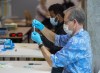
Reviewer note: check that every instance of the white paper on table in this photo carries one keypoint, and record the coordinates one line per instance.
(5, 65)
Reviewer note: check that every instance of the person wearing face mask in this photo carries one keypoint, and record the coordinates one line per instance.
(57, 18)
(76, 54)
(57, 21)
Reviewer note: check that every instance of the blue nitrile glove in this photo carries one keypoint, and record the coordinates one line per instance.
(37, 24)
(36, 37)
(8, 45)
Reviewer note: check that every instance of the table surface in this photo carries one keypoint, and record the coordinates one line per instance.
(24, 67)
(23, 50)
(23, 30)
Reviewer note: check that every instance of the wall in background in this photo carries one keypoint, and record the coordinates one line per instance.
(18, 7)
(93, 26)
(50, 2)
(5, 8)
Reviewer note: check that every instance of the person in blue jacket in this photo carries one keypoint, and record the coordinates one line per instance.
(76, 54)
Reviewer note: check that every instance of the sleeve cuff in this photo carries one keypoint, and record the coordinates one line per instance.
(52, 58)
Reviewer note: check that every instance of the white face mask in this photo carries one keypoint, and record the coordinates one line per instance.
(53, 22)
(66, 29)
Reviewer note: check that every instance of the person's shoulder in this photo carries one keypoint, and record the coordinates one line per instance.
(82, 37)
(81, 34)
(74, 39)
(85, 34)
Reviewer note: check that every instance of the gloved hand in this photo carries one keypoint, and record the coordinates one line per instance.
(36, 37)
(37, 24)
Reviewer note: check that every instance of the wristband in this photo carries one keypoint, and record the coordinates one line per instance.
(41, 45)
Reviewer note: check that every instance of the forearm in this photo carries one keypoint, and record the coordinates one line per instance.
(46, 54)
(48, 34)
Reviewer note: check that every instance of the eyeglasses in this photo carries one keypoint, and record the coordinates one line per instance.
(66, 22)
(16, 34)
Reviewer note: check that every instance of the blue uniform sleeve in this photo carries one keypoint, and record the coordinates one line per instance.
(61, 40)
(73, 51)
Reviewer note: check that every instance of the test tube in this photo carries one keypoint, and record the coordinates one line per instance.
(34, 28)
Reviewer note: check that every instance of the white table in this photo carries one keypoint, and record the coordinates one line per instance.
(23, 50)
(24, 67)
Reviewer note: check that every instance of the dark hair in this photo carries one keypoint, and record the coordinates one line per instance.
(67, 4)
(57, 9)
